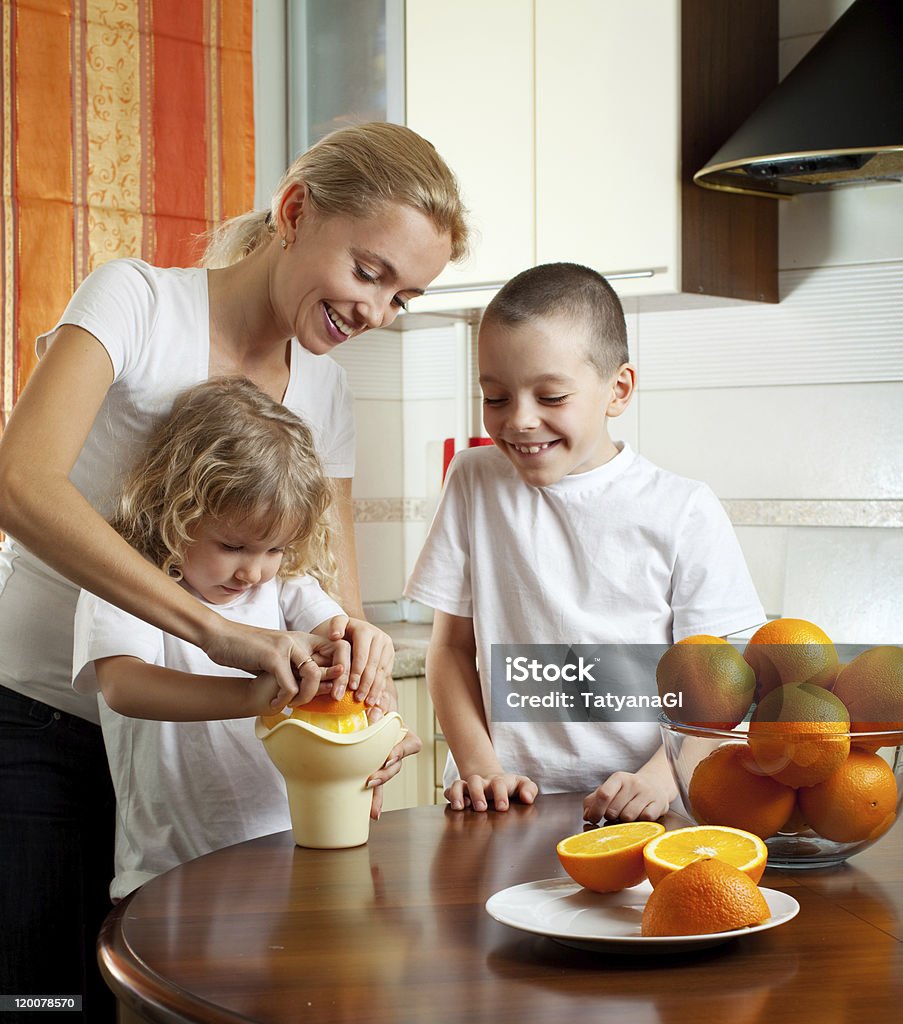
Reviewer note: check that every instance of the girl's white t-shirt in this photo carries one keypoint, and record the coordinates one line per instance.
(154, 324)
(184, 789)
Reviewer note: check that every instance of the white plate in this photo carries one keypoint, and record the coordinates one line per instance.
(562, 910)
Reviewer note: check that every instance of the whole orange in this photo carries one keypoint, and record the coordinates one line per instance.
(790, 651)
(857, 802)
(799, 734)
(706, 896)
(728, 788)
(713, 682)
(871, 688)
(608, 859)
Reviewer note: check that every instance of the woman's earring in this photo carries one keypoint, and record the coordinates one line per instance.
(284, 244)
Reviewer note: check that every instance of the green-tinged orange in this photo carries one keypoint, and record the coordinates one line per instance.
(871, 688)
(714, 684)
(799, 734)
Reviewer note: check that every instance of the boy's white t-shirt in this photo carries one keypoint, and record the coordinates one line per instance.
(626, 553)
(155, 326)
(184, 789)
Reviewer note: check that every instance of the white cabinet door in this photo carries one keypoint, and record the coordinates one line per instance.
(469, 90)
(415, 784)
(607, 137)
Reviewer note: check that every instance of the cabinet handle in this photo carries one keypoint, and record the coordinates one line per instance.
(442, 289)
(483, 286)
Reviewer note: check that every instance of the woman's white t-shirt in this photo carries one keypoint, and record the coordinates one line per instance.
(154, 324)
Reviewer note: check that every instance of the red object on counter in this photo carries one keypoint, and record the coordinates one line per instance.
(448, 450)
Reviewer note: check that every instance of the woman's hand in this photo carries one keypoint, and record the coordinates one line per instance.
(410, 743)
(302, 664)
(372, 656)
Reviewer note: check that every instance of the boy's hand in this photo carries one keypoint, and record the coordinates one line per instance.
(627, 796)
(372, 656)
(478, 791)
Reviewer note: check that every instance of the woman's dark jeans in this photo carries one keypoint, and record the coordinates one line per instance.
(57, 819)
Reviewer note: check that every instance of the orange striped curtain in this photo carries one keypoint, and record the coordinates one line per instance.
(127, 130)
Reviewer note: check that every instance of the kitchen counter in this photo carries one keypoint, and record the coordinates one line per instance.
(396, 931)
(411, 640)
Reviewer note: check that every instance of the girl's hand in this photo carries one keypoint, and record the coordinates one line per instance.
(324, 670)
(627, 796)
(372, 656)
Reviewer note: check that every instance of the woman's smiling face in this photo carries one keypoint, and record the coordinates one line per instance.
(340, 275)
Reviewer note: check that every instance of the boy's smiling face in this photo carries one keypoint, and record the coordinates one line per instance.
(544, 404)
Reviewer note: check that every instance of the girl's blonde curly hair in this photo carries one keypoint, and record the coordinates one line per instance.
(228, 451)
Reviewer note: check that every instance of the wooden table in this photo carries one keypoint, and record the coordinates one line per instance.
(396, 931)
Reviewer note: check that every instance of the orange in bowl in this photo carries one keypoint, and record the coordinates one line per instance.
(871, 687)
(799, 734)
(715, 684)
(858, 802)
(727, 788)
(610, 858)
(790, 651)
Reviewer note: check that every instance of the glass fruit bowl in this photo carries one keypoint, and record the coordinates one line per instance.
(737, 778)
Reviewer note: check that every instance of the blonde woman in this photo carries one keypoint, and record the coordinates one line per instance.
(360, 224)
(229, 498)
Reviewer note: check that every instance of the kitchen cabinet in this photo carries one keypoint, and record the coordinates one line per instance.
(575, 127)
(469, 90)
(415, 785)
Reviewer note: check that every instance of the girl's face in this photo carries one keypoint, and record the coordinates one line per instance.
(340, 276)
(223, 560)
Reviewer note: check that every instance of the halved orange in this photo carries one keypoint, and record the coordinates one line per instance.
(340, 716)
(676, 849)
(608, 859)
(706, 896)
(345, 715)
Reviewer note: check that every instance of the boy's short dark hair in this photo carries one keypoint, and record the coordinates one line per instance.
(572, 290)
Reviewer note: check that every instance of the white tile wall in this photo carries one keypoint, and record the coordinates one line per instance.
(848, 581)
(833, 441)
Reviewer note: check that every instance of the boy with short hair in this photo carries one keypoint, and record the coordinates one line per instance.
(558, 535)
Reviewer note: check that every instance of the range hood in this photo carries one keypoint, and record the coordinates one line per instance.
(835, 121)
